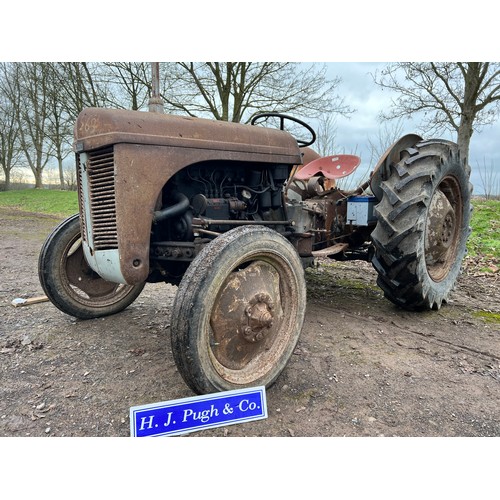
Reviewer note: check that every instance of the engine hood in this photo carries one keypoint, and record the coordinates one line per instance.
(98, 127)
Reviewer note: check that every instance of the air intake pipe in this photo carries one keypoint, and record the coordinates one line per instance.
(180, 207)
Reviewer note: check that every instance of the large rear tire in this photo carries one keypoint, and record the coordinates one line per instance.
(69, 282)
(239, 311)
(422, 225)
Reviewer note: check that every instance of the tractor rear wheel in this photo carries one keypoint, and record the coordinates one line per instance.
(69, 282)
(422, 225)
(239, 311)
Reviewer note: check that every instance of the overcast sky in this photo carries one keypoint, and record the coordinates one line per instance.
(359, 31)
(369, 100)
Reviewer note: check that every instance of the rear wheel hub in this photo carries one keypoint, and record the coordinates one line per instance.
(443, 229)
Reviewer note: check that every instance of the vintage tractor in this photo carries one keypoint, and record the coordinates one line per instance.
(232, 214)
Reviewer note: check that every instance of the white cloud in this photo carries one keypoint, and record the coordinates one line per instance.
(360, 92)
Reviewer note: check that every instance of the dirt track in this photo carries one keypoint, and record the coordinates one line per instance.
(362, 366)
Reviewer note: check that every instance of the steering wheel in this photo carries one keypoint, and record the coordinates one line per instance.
(282, 117)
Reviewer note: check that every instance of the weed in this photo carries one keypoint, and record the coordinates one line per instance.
(488, 316)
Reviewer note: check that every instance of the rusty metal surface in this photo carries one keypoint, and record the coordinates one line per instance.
(82, 278)
(442, 233)
(303, 243)
(334, 249)
(96, 128)
(247, 315)
(330, 209)
(198, 221)
(308, 155)
(141, 173)
(322, 213)
(149, 149)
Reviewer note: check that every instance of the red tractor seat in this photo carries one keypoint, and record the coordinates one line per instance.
(332, 167)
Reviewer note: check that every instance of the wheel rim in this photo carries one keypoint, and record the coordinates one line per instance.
(252, 319)
(83, 284)
(442, 235)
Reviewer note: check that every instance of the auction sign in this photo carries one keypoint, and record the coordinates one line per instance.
(181, 416)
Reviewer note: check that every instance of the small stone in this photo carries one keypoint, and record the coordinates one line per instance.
(47, 430)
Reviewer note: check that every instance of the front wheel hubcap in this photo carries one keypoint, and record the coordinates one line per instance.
(247, 315)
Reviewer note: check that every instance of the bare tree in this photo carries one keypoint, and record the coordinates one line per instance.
(457, 96)
(70, 180)
(60, 122)
(387, 134)
(20, 89)
(129, 84)
(9, 139)
(30, 83)
(325, 135)
(81, 85)
(47, 97)
(236, 91)
(489, 180)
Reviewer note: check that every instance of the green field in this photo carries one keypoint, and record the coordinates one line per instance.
(484, 240)
(485, 237)
(45, 201)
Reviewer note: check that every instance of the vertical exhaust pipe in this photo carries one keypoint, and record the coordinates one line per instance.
(155, 101)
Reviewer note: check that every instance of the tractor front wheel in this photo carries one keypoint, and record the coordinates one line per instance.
(69, 282)
(239, 310)
(422, 225)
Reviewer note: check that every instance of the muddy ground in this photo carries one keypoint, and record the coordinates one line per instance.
(362, 366)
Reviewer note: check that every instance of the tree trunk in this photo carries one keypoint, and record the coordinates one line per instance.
(7, 179)
(38, 179)
(464, 136)
(468, 107)
(61, 172)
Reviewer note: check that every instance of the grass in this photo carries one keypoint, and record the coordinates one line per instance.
(485, 237)
(44, 201)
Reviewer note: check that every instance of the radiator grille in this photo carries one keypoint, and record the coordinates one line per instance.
(79, 171)
(101, 187)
